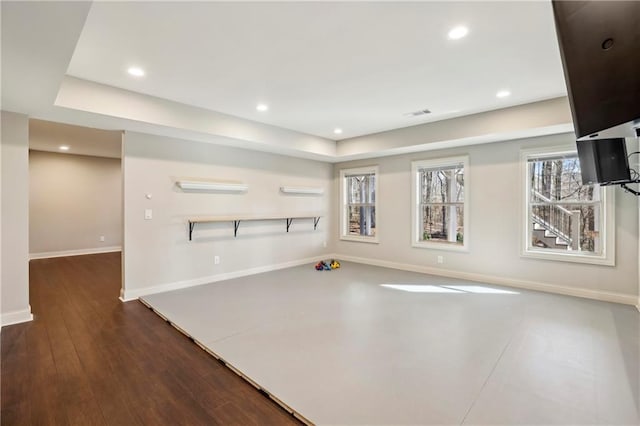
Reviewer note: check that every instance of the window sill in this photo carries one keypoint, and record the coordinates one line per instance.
(446, 246)
(370, 240)
(574, 257)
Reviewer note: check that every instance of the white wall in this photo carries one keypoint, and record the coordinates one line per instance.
(73, 199)
(157, 253)
(15, 219)
(494, 228)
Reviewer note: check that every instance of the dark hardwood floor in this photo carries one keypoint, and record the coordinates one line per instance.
(88, 358)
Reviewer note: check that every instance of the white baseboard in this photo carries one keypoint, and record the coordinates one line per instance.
(606, 296)
(80, 252)
(16, 317)
(133, 294)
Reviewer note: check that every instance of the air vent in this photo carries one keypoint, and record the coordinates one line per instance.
(417, 113)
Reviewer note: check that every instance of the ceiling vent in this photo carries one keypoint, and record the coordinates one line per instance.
(417, 113)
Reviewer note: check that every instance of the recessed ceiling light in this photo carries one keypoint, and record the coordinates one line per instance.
(63, 148)
(136, 71)
(457, 33)
(262, 107)
(337, 131)
(503, 94)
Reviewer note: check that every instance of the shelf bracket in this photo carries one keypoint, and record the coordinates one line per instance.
(315, 222)
(236, 224)
(289, 221)
(629, 190)
(191, 226)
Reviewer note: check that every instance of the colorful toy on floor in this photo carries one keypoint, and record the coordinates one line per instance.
(321, 266)
(328, 265)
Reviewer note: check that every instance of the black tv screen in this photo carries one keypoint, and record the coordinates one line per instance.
(603, 161)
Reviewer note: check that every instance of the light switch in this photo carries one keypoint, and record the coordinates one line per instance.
(148, 214)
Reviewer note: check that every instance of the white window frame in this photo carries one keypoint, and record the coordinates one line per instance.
(416, 229)
(344, 222)
(607, 194)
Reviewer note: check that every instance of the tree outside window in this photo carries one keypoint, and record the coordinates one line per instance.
(439, 202)
(565, 220)
(359, 188)
(565, 215)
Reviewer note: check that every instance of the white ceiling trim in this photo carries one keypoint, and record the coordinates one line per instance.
(98, 98)
(454, 143)
(529, 120)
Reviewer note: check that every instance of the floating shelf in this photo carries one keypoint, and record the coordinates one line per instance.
(237, 219)
(199, 185)
(302, 190)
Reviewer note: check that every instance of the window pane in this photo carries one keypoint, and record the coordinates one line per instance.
(361, 221)
(361, 189)
(567, 227)
(556, 225)
(442, 223)
(441, 210)
(559, 179)
(442, 185)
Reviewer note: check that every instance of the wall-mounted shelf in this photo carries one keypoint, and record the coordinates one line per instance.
(207, 186)
(302, 190)
(237, 219)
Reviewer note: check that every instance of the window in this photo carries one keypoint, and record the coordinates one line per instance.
(440, 203)
(358, 195)
(565, 220)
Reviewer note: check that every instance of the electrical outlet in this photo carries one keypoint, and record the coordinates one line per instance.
(216, 260)
(102, 238)
(440, 259)
(148, 214)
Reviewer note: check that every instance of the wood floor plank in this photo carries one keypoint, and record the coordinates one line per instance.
(16, 414)
(89, 359)
(85, 413)
(14, 343)
(14, 395)
(45, 402)
(38, 344)
(227, 413)
(106, 386)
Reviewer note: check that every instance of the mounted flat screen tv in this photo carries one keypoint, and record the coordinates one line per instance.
(603, 161)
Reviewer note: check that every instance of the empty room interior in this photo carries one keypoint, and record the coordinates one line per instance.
(345, 213)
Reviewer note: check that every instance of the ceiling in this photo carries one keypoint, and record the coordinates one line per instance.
(358, 66)
(50, 136)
